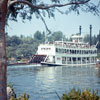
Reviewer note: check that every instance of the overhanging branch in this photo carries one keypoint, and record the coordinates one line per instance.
(44, 23)
(47, 6)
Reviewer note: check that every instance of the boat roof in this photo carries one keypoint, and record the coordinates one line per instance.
(76, 36)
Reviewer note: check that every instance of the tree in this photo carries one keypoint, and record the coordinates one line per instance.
(12, 8)
(87, 38)
(38, 36)
(94, 40)
(56, 36)
(15, 40)
(98, 40)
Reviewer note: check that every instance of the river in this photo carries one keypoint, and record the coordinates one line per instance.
(44, 83)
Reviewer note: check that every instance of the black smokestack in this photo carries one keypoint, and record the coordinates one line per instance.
(80, 28)
(90, 35)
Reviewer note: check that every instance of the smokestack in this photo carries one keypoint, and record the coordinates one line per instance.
(80, 29)
(90, 35)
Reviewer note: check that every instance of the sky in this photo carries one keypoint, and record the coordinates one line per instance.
(68, 24)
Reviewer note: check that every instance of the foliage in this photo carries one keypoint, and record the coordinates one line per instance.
(87, 38)
(40, 8)
(15, 9)
(72, 95)
(39, 37)
(25, 47)
(24, 96)
(81, 95)
(95, 40)
(56, 36)
(98, 56)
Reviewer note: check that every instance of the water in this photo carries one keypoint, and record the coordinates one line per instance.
(42, 83)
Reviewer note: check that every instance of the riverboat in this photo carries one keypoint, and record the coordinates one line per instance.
(62, 53)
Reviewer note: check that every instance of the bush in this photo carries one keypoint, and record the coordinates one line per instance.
(24, 96)
(81, 95)
(11, 95)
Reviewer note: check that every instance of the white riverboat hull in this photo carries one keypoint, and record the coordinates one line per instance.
(53, 64)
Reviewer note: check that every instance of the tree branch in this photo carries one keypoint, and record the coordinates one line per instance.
(45, 23)
(47, 6)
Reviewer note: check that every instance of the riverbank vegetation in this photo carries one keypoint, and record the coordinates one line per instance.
(81, 95)
(24, 96)
(73, 94)
(21, 47)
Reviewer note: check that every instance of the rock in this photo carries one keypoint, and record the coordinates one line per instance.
(10, 92)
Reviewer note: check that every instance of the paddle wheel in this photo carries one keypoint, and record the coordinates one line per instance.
(37, 59)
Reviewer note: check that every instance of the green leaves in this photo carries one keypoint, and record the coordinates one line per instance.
(28, 7)
(56, 36)
(81, 95)
(24, 96)
(26, 46)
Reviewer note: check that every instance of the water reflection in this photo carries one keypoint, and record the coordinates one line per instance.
(42, 82)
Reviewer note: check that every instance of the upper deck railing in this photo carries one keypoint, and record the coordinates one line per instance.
(63, 44)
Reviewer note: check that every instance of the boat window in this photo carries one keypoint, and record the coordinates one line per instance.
(79, 51)
(42, 48)
(82, 52)
(58, 58)
(72, 51)
(75, 51)
(61, 50)
(63, 60)
(95, 51)
(57, 50)
(65, 51)
(86, 52)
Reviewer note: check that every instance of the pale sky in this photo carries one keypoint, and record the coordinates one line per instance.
(68, 24)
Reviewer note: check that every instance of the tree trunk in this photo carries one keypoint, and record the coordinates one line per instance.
(3, 64)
